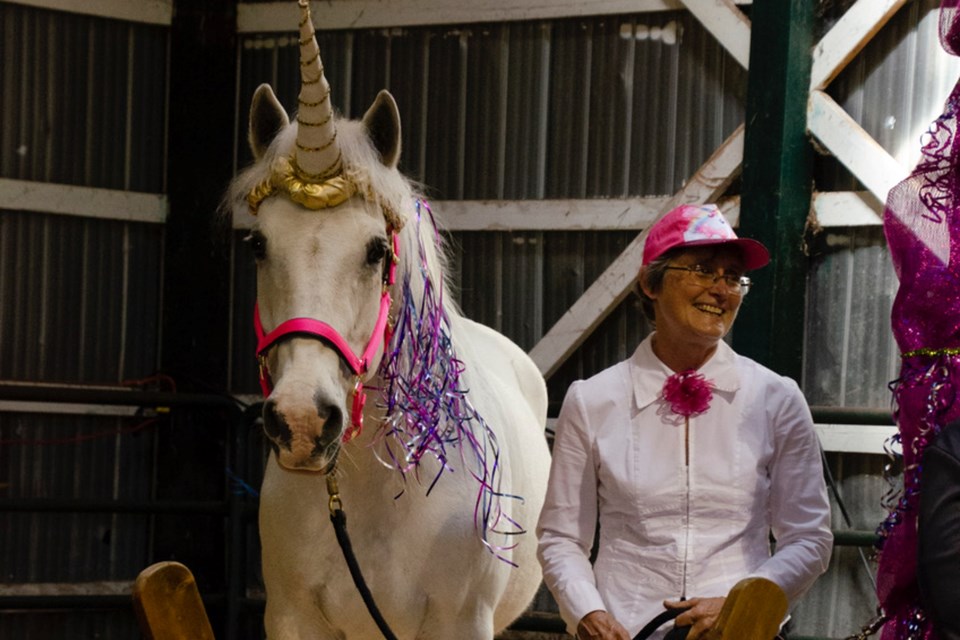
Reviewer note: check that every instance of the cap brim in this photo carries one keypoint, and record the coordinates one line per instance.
(755, 255)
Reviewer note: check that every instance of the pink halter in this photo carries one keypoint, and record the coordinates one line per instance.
(323, 331)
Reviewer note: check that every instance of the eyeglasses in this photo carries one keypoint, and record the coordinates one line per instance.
(706, 278)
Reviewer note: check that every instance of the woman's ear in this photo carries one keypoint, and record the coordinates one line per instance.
(643, 284)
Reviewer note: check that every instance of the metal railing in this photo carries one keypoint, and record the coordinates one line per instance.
(235, 509)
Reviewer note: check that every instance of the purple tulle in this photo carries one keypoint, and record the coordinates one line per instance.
(922, 226)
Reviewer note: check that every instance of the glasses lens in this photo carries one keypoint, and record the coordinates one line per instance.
(703, 277)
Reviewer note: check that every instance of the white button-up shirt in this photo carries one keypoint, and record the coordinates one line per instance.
(669, 529)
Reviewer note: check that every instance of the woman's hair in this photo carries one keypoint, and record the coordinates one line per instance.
(653, 274)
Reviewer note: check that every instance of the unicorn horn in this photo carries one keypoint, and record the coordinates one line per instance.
(318, 153)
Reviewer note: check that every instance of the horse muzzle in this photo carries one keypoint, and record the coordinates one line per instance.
(305, 437)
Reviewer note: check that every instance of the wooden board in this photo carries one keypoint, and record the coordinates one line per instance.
(753, 610)
(168, 604)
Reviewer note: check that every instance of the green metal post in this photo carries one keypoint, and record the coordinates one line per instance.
(777, 181)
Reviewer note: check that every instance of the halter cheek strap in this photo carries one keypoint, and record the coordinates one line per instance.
(311, 327)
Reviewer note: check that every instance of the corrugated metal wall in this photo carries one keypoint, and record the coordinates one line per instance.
(82, 102)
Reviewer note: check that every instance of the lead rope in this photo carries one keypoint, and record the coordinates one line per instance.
(661, 619)
(339, 520)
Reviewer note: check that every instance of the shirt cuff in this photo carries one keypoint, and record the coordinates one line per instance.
(579, 599)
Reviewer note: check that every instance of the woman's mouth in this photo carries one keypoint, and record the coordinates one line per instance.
(709, 308)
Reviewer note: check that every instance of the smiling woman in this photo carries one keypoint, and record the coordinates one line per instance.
(690, 455)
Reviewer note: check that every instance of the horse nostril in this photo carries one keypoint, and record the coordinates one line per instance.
(273, 423)
(332, 426)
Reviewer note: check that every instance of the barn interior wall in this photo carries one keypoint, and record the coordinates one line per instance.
(568, 108)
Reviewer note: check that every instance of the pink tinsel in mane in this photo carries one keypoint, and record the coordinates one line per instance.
(688, 393)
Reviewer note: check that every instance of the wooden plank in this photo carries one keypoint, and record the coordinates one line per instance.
(590, 214)
(549, 215)
(67, 408)
(840, 438)
(845, 138)
(573, 327)
(854, 438)
(143, 11)
(727, 24)
(832, 209)
(847, 37)
(24, 195)
(168, 605)
(92, 588)
(847, 209)
(274, 17)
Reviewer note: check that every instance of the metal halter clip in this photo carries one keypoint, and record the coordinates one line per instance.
(870, 628)
(334, 503)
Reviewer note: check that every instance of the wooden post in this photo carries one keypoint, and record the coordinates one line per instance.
(200, 164)
(777, 182)
(192, 447)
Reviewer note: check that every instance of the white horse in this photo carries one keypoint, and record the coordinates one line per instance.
(443, 485)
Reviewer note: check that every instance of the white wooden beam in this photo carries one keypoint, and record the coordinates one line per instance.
(845, 138)
(727, 24)
(44, 197)
(847, 37)
(68, 408)
(832, 209)
(549, 215)
(847, 209)
(145, 11)
(590, 214)
(845, 438)
(573, 327)
(276, 17)
(594, 214)
(99, 588)
(854, 438)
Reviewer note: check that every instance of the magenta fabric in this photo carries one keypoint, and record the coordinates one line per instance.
(922, 226)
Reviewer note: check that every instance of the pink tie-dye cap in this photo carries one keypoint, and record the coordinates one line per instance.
(695, 225)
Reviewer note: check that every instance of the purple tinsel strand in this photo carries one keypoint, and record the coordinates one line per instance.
(936, 378)
(427, 408)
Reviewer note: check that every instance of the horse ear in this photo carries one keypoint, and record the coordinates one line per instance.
(382, 121)
(267, 118)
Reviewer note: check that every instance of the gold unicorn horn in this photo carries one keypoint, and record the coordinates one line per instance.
(318, 153)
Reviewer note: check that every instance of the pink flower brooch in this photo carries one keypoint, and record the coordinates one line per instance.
(688, 393)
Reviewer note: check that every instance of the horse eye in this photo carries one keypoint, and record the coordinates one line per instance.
(376, 250)
(258, 244)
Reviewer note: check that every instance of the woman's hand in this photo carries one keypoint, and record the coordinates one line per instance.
(600, 625)
(700, 615)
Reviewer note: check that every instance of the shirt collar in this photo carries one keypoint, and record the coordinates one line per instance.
(648, 373)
